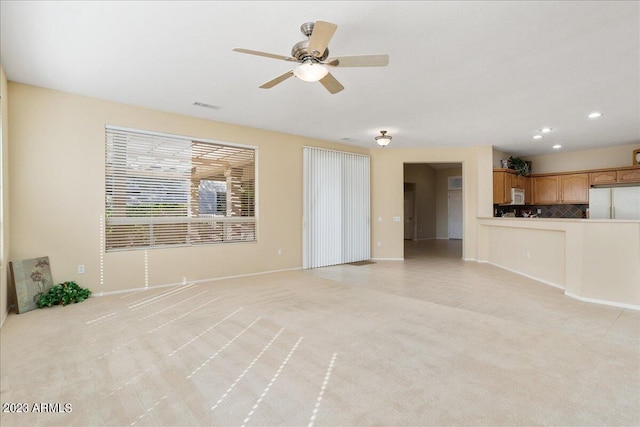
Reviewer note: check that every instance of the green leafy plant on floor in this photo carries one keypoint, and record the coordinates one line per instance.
(63, 293)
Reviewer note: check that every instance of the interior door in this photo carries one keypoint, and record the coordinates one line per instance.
(409, 215)
(455, 214)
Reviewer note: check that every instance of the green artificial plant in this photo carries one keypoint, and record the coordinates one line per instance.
(520, 166)
(63, 293)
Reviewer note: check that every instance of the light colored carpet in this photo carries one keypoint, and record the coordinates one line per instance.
(432, 340)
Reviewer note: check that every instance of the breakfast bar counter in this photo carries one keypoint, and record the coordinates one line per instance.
(590, 259)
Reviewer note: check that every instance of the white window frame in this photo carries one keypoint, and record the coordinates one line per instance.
(228, 221)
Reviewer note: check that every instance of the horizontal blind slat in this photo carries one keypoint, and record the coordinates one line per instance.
(174, 191)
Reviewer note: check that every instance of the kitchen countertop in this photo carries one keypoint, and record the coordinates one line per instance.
(572, 220)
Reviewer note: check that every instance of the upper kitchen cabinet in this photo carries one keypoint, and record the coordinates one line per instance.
(559, 189)
(603, 177)
(545, 190)
(629, 175)
(625, 175)
(503, 181)
(574, 188)
(501, 187)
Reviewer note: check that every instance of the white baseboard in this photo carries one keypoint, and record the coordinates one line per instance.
(4, 317)
(192, 282)
(537, 279)
(603, 302)
(569, 294)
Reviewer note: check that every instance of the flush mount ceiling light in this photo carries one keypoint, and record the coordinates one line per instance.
(310, 71)
(384, 139)
(537, 136)
(557, 146)
(546, 130)
(594, 115)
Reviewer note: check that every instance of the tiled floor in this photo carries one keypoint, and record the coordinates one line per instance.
(433, 271)
(431, 340)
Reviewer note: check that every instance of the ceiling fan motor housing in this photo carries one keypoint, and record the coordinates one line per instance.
(300, 50)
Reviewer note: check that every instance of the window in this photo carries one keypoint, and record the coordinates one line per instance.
(455, 183)
(166, 190)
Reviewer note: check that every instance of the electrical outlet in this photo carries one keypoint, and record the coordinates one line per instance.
(379, 242)
(80, 269)
(280, 251)
(396, 219)
(539, 211)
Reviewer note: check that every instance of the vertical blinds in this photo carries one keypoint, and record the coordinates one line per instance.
(164, 190)
(336, 204)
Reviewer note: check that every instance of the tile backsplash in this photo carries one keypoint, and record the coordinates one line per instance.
(546, 211)
(560, 211)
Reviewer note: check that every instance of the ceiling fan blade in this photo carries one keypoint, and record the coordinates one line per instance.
(265, 54)
(279, 79)
(331, 84)
(359, 61)
(320, 37)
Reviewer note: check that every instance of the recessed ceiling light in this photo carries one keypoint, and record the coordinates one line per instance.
(594, 115)
(557, 146)
(546, 130)
(537, 136)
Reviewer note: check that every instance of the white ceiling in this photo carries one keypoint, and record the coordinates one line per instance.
(460, 73)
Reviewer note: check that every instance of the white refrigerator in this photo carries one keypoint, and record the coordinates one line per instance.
(614, 203)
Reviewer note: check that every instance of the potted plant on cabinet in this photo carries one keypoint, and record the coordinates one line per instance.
(521, 167)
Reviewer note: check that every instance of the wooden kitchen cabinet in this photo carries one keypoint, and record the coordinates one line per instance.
(501, 187)
(506, 179)
(558, 189)
(518, 181)
(545, 190)
(603, 177)
(528, 192)
(574, 188)
(628, 175)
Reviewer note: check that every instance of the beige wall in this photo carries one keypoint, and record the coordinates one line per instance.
(387, 182)
(57, 193)
(609, 157)
(4, 249)
(423, 176)
(442, 200)
(56, 203)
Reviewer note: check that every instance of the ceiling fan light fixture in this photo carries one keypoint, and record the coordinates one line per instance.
(383, 139)
(310, 71)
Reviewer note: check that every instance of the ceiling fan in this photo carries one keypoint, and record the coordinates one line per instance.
(312, 55)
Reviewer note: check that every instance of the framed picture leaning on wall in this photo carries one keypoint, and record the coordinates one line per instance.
(31, 278)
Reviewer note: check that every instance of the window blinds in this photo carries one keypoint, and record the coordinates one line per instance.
(336, 205)
(167, 190)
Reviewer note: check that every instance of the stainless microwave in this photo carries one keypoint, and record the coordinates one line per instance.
(517, 196)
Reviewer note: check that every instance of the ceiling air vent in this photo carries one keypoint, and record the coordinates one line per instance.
(203, 105)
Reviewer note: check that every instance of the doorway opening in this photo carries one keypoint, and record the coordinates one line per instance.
(433, 206)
